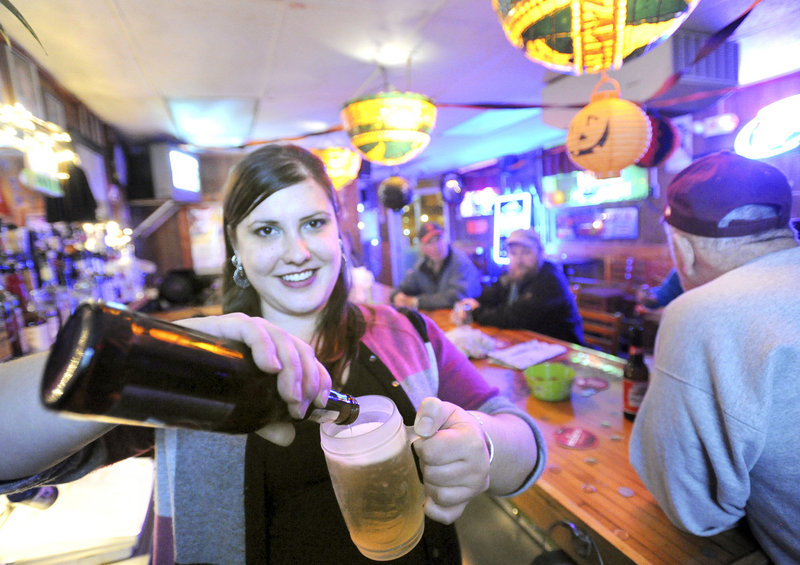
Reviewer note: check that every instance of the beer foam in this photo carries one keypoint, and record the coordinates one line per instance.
(362, 449)
(358, 429)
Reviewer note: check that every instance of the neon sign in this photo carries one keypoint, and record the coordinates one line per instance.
(774, 130)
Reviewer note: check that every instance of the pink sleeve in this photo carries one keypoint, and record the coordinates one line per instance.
(459, 380)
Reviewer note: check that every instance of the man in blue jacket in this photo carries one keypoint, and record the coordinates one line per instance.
(441, 277)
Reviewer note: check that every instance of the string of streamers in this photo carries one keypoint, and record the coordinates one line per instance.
(708, 47)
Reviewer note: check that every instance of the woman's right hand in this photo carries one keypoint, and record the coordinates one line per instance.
(302, 380)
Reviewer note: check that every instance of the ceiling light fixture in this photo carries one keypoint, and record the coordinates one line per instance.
(213, 122)
(389, 128)
(341, 164)
(583, 36)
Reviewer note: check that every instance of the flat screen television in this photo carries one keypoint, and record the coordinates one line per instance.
(176, 173)
(619, 222)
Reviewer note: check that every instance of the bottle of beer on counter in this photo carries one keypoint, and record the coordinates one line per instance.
(635, 374)
(112, 364)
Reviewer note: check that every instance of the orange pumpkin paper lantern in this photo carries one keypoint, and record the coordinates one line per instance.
(608, 134)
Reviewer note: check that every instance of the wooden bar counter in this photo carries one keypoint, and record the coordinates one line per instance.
(595, 488)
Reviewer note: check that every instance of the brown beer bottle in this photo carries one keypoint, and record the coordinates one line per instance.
(635, 375)
(116, 365)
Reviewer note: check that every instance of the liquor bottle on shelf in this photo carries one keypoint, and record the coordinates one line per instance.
(11, 308)
(6, 346)
(53, 295)
(635, 374)
(116, 365)
(43, 302)
(37, 327)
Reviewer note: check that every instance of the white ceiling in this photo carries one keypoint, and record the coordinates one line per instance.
(284, 68)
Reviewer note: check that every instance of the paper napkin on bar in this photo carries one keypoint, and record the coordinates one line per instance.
(523, 355)
(472, 342)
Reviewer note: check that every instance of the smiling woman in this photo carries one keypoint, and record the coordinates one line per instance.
(289, 250)
(286, 264)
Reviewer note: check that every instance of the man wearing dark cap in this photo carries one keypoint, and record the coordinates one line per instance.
(533, 294)
(441, 277)
(715, 439)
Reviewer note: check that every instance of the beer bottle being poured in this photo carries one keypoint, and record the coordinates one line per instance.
(116, 365)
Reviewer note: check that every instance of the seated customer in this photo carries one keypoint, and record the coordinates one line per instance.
(656, 297)
(534, 294)
(713, 440)
(441, 277)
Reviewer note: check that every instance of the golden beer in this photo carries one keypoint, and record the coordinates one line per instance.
(375, 480)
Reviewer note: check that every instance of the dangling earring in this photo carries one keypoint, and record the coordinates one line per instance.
(239, 276)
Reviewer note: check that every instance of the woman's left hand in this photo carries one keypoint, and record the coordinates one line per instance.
(453, 457)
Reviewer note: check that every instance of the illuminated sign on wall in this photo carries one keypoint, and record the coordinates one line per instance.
(580, 188)
(511, 212)
(478, 202)
(774, 130)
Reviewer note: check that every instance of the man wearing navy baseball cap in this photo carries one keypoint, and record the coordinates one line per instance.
(711, 440)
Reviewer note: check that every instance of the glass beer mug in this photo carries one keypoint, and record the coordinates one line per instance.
(375, 479)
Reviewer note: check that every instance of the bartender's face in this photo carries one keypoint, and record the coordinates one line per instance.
(289, 247)
(521, 260)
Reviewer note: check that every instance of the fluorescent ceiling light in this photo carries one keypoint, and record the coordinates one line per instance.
(213, 122)
(492, 120)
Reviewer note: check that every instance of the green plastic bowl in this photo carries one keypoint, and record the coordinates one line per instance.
(550, 381)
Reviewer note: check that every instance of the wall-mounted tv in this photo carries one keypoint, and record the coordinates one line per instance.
(597, 223)
(580, 188)
(176, 173)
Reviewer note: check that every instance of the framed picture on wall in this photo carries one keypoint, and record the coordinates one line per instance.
(54, 110)
(5, 91)
(25, 83)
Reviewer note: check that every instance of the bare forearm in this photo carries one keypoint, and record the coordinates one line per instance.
(33, 438)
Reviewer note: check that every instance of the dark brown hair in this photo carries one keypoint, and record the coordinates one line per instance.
(256, 177)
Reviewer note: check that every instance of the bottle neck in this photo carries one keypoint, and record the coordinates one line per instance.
(341, 409)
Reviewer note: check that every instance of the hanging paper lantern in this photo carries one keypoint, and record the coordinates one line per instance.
(608, 134)
(341, 164)
(390, 128)
(395, 192)
(664, 139)
(588, 36)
